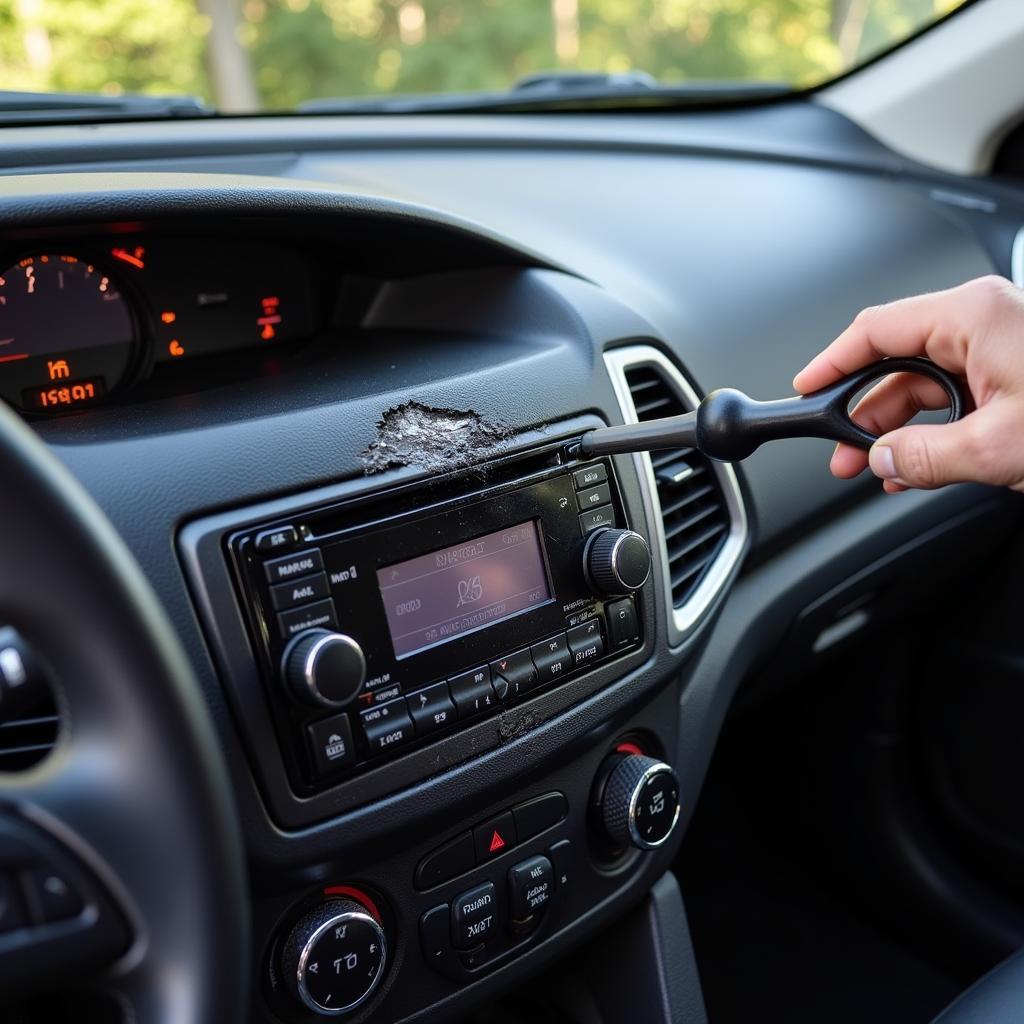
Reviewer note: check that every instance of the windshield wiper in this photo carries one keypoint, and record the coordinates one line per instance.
(38, 107)
(558, 90)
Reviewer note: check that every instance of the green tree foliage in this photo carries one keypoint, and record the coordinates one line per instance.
(300, 49)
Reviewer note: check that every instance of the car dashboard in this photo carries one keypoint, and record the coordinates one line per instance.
(327, 377)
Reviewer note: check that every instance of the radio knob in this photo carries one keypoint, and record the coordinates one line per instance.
(324, 669)
(640, 802)
(334, 957)
(616, 561)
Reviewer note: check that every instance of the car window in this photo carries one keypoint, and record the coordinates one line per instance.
(247, 55)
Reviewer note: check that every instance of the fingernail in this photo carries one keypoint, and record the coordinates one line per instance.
(882, 462)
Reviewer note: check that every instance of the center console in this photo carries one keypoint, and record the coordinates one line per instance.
(380, 638)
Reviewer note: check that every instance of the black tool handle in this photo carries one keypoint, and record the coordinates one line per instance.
(730, 426)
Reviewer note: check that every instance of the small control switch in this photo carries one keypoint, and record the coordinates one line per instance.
(474, 916)
(531, 884)
(50, 896)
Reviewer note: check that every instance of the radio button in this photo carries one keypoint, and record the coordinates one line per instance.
(304, 563)
(387, 726)
(622, 624)
(552, 658)
(586, 642)
(596, 518)
(514, 674)
(472, 691)
(590, 475)
(277, 540)
(312, 588)
(593, 497)
(310, 616)
(431, 708)
(331, 742)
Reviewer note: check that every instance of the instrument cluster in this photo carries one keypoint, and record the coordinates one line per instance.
(83, 324)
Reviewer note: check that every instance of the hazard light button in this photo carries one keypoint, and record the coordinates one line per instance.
(494, 837)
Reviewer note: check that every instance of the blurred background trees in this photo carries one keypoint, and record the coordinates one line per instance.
(249, 54)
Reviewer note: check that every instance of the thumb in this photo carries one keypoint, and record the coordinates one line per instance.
(928, 455)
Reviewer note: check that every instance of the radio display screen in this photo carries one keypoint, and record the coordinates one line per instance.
(446, 594)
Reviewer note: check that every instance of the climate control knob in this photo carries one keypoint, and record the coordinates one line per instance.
(324, 669)
(616, 561)
(334, 957)
(640, 802)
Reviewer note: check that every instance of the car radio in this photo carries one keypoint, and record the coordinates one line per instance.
(382, 625)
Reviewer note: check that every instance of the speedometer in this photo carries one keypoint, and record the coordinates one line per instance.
(67, 335)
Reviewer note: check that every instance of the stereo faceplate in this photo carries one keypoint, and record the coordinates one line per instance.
(507, 626)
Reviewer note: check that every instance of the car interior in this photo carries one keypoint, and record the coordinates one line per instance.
(280, 383)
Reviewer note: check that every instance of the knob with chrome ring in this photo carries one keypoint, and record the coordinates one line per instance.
(616, 562)
(334, 957)
(324, 669)
(640, 802)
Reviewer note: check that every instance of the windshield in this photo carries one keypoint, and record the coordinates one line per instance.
(251, 55)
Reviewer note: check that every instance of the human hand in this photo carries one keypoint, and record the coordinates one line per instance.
(975, 330)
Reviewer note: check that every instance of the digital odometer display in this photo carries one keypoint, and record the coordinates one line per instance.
(67, 335)
(446, 594)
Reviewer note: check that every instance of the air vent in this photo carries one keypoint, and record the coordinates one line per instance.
(693, 509)
(27, 738)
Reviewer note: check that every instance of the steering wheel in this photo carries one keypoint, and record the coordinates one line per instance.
(132, 808)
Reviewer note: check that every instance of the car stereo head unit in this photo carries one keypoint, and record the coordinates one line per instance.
(383, 624)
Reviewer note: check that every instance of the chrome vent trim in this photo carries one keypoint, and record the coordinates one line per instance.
(684, 617)
(1017, 259)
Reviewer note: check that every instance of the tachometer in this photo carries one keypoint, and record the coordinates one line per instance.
(67, 335)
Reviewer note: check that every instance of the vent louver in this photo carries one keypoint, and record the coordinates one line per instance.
(693, 508)
(27, 738)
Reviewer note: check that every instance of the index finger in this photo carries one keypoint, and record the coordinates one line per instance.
(932, 325)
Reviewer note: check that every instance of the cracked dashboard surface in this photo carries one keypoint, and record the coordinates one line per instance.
(454, 301)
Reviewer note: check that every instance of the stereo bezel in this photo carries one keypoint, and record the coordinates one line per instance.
(391, 526)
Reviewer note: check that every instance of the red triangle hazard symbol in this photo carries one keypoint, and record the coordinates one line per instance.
(497, 843)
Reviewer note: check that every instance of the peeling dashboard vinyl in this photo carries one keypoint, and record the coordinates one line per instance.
(414, 434)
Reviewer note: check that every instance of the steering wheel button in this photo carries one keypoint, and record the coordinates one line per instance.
(50, 896)
(474, 916)
(331, 743)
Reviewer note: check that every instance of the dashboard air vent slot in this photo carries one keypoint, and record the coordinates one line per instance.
(693, 508)
(28, 737)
